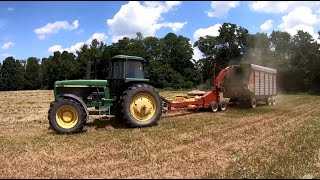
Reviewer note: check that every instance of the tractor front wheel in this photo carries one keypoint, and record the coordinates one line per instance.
(66, 116)
(141, 105)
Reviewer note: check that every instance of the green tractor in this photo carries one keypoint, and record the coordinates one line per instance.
(125, 94)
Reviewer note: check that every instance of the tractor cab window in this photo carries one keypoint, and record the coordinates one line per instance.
(117, 70)
(134, 69)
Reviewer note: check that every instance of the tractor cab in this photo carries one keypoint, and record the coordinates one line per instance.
(125, 71)
(126, 67)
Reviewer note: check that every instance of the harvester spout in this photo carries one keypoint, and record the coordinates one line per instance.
(220, 76)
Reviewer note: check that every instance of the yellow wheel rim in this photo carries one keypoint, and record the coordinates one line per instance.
(67, 117)
(143, 107)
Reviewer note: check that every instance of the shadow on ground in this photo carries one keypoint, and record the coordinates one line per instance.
(105, 122)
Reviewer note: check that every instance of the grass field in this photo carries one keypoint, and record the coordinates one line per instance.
(281, 141)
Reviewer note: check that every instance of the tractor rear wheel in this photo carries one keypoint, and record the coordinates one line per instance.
(66, 116)
(141, 106)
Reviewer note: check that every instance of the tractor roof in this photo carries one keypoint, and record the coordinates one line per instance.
(128, 57)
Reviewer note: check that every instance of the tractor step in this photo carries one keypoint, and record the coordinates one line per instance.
(100, 111)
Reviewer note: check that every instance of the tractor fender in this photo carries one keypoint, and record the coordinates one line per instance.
(79, 100)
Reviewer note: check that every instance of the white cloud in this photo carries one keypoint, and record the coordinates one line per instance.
(145, 18)
(54, 28)
(280, 6)
(202, 32)
(10, 9)
(221, 8)
(55, 48)
(99, 36)
(7, 45)
(300, 15)
(301, 18)
(211, 31)
(173, 3)
(197, 54)
(75, 47)
(174, 26)
(7, 55)
(267, 25)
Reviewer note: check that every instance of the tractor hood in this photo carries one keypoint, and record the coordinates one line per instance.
(81, 83)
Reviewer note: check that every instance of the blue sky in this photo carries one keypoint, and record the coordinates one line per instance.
(36, 29)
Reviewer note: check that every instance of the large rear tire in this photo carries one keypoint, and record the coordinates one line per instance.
(66, 116)
(141, 106)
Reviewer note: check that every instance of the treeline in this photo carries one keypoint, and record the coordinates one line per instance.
(169, 62)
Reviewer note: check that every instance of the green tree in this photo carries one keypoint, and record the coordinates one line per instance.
(127, 46)
(224, 50)
(257, 50)
(177, 52)
(83, 58)
(12, 74)
(304, 62)
(59, 67)
(163, 76)
(97, 57)
(33, 74)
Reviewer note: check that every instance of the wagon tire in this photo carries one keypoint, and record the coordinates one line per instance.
(214, 106)
(269, 101)
(252, 103)
(273, 101)
(222, 106)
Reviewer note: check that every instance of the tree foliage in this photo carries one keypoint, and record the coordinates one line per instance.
(12, 73)
(33, 74)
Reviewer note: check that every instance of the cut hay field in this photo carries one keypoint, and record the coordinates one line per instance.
(281, 141)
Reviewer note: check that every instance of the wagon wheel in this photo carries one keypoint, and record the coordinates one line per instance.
(214, 106)
(269, 101)
(273, 101)
(252, 103)
(222, 106)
